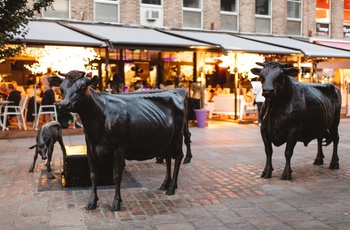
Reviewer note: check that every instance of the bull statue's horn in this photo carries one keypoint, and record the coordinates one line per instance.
(260, 63)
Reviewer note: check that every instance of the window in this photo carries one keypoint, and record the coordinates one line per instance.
(228, 15)
(60, 10)
(322, 18)
(152, 2)
(263, 16)
(347, 12)
(294, 17)
(192, 14)
(107, 10)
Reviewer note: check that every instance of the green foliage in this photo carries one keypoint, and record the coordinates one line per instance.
(14, 16)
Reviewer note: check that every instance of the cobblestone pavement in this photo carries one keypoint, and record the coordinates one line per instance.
(220, 189)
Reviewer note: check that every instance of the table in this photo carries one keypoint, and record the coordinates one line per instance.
(3, 103)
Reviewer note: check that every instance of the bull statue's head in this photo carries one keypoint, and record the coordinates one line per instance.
(41, 149)
(74, 89)
(273, 76)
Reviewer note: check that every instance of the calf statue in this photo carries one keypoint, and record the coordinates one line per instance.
(295, 111)
(47, 136)
(126, 127)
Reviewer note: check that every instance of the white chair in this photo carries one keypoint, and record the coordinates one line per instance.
(18, 110)
(45, 110)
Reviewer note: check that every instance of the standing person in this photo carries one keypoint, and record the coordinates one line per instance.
(48, 99)
(117, 82)
(45, 85)
(259, 98)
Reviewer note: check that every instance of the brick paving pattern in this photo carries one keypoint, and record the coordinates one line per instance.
(220, 189)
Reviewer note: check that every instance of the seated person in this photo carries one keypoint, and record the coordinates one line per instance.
(3, 91)
(14, 95)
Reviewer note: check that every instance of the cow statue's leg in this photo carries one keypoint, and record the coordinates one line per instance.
(188, 145)
(173, 184)
(320, 155)
(49, 155)
(287, 172)
(92, 203)
(267, 172)
(335, 159)
(60, 141)
(33, 165)
(118, 167)
(167, 179)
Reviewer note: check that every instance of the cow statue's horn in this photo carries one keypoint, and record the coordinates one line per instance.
(260, 63)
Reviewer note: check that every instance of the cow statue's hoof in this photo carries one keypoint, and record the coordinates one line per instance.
(266, 175)
(170, 192)
(334, 165)
(50, 176)
(187, 160)
(115, 206)
(318, 161)
(92, 203)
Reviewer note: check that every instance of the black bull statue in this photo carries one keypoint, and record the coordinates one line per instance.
(126, 127)
(295, 111)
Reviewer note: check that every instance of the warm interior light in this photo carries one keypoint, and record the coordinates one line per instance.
(60, 58)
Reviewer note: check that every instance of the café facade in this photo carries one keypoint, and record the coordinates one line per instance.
(156, 55)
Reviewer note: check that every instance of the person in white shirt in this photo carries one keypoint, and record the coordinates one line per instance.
(259, 98)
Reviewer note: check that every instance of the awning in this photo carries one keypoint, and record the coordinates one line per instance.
(232, 43)
(52, 33)
(336, 64)
(138, 38)
(310, 50)
(337, 44)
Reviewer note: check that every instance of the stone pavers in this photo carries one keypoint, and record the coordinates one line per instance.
(220, 189)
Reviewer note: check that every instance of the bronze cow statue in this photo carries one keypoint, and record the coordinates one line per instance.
(295, 111)
(46, 138)
(126, 127)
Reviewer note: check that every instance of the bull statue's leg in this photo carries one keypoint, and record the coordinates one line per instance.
(320, 155)
(335, 159)
(33, 165)
(118, 168)
(167, 179)
(267, 172)
(92, 203)
(188, 145)
(287, 172)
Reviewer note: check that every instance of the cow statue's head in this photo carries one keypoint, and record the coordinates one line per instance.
(41, 149)
(74, 89)
(273, 77)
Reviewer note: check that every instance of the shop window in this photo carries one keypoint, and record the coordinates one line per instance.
(192, 14)
(263, 16)
(229, 15)
(60, 10)
(294, 17)
(152, 2)
(107, 10)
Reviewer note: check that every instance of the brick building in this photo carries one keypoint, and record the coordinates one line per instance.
(307, 18)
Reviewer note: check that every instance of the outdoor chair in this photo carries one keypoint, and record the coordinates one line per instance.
(45, 110)
(18, 111)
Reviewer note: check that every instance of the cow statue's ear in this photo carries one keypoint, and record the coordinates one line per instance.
(256, 71)
(94, 80)
(291, 71)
